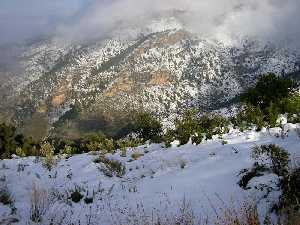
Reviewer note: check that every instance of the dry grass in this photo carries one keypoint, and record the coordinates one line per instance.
(39, 203)
(240, 213)
(136, 155)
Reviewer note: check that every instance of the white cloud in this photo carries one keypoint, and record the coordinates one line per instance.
(272, 20)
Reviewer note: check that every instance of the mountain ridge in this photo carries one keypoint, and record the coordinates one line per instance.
(163, 71)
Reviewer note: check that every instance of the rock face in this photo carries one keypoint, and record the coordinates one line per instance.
(98, 85)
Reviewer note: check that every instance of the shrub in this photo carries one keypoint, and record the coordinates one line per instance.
(47, 151)
(290, 186)
(147, 127)
(291, 104)
(26, 144)
(97, 142)
(213, 124)
(10, 141)
(188, 128)
(20, 152)
(196, 128)
(270, 89)
(245, 214)
(128, 142)
(39, 203)
(7, 141)
(169, 137)
(67, 150)
(294, 118)
(272, 114)
(278, 157)
(112, 167)
(76, 196)
(248, 175)
(5, 195)
(136, 155)
(248, 116)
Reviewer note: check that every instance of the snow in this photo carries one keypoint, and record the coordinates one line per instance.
(202, 174)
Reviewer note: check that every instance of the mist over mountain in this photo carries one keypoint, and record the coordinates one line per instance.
(272, 20)
(268, 20)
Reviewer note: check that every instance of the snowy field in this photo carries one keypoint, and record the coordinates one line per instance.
(158, 183)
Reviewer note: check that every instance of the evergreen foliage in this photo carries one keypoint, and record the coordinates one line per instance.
(278, 157)
(147, 127)
(270, 89)
(97, 142)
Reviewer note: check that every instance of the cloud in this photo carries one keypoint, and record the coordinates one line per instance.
(81, 20)
(271, 20)
(24, 19)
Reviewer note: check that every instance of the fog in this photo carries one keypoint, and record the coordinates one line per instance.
(83, 20)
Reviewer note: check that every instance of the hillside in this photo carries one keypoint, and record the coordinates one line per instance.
(159, 183)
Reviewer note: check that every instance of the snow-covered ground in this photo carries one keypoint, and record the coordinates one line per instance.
(205, 176)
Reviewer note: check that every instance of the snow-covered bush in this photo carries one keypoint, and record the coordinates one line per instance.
(248, 174)
(277, 157)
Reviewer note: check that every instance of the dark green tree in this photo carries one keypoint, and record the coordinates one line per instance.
(269, 89)
(8, 143)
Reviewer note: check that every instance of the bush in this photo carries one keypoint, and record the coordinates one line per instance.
(128, 142)
(271, 96)
(97, 142)
(249, 174)
(213, 124)
(8, 143)
(291, 104)
(76, 196)
(278, 157)
(47, 151)
(270, 89)
(290, 186)
(169, 137)
(272, 114)
(248, 116)
(188, 128)
(112, 167)
(196, 128)
(5, 195)
(147, 127)
(39, 203)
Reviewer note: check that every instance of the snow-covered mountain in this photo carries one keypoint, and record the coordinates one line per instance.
(160, 67)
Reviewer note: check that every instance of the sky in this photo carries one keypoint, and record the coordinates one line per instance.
(272, 20)
(24, 19)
